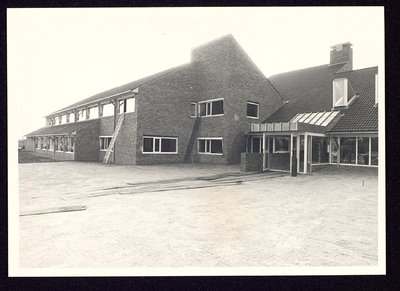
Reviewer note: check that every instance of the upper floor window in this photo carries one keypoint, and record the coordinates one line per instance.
(193, 109)
(212, 107)
(252, 109)
(93, 112)
(63, 119)
(340, 92)
(127, 105)
(108, 109)
(81, 115)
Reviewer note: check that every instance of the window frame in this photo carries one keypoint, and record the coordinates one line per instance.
(124, 105)
(196, 113)
(258, 109)
(159, 145)
(208, 107)
(105, 137)
(207, 149)
(274, 145)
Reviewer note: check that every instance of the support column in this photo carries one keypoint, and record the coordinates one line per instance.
(305, 153)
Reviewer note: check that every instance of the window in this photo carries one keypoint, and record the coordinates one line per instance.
(210, 146)
(340, 92)
(108, 109)
(193, 109)
(363, 151)
(63, 119)
(348, 150)
(104, 142)
(256, 144)
(374, 151)
(162, 145)
(81, 115)
(215, 107)
(252, 109)
(60, 144)
(281, 144)
(320, 152)
(93, 112)
(70, 144)
(127, 105)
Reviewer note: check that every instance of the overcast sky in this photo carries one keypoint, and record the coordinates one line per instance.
(60, 56)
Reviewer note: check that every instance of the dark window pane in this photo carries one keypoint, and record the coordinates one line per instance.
(348, 150)
(193, 109)
(202, 146)
(168, 145)
(216, 146)
(257, 145)
(252, 110)
(281, 144)
(374, 151)
(218, 107)
(363, 151)
(157, 145)
(202, 109)
(147, 144)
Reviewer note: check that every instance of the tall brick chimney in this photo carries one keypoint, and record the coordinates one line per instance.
(342, 53)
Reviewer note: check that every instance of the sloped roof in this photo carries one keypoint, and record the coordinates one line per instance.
(121, 89)
(62, 129)
(310, 90)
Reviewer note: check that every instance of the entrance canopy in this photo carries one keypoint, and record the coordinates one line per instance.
(318, 122)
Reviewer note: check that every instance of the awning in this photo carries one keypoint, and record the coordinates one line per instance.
(317, 122)
(63, 129)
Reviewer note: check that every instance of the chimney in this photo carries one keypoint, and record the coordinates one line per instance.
(342, 53)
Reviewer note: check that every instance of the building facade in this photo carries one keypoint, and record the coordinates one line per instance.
(220, 108)
(197, 112)
(330, 116)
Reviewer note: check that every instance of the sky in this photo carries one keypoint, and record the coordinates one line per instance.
(58, 56)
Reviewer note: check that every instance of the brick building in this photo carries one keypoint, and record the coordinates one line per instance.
(196, 112)
(220, 108)
(330, 116)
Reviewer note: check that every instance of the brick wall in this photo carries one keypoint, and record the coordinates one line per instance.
(224, 70)
(87, 142)
(251, 162)
(126, 142)
(279, 161)
(163, 109)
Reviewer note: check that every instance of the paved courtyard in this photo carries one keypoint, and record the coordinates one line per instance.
(194, 216)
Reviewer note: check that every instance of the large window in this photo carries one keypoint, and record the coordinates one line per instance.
(162, 145)
(281, 144)
(210, 146)
(363, 151)
(374, 151)
(252, 109)
(213, 107)
(320, 152)
(104, 142)
(348, 150)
